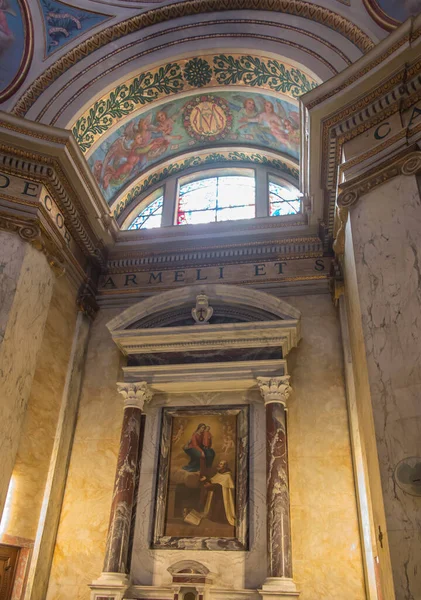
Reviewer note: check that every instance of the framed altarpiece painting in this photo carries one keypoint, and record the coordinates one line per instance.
(202, 484)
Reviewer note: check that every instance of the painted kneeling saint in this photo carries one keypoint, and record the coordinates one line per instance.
(219, 504)
(218, 494)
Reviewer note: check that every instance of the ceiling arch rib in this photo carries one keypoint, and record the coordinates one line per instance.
(319, 21)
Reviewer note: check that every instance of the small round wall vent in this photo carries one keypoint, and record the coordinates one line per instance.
(408, 475)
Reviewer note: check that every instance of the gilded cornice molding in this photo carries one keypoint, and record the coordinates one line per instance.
(407, 163)
(300, 8)
(26, 165)
(48, 156)
(124, 261)
(369, 107)
(30, 231)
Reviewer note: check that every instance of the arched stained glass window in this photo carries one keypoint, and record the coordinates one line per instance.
(150, 216)
(223, 198)
(283, 199)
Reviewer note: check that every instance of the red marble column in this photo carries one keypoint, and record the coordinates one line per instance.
(275, 392)
(135, 396)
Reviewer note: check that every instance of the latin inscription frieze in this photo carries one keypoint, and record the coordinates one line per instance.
(235, 273)
(31, 191)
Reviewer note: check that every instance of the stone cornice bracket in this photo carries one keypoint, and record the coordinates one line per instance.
(275, 389)
(407, 164)
(32, 233)
(135, 394)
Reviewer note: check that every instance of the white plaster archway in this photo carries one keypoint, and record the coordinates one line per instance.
(227, 294)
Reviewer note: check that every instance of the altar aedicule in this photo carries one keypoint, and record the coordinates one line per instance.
(206, 466)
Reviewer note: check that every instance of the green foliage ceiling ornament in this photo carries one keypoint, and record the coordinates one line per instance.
(197, 72)
(256, 72)
(187, 74)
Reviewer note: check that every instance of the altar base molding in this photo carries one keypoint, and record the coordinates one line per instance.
(110, 586)
(283, 588)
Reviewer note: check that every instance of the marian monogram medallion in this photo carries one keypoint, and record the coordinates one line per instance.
(207, 118)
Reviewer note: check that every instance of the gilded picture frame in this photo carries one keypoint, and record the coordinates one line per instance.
(201, 498)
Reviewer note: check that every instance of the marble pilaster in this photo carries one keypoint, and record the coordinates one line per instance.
(386, 242)
(54, 490)
(116, 567)
(279, 582)
(26, 283)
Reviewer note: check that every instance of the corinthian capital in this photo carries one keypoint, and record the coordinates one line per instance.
(275, 389)
(135, 394)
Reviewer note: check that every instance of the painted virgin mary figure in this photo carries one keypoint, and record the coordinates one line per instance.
(201, 456)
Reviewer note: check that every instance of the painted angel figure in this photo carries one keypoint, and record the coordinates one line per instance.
(179, 434)
(129, 151)
(228, 440)
(165, 124)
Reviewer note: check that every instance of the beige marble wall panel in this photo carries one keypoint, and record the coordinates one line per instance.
(326, 559)
(386, 226)
(39, 426)
(326, 546)
(81, 537)
(23, 312)
(362, 418)
(57, 474)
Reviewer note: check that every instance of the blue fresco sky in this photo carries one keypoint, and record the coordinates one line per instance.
(11, 53)
(400, 9)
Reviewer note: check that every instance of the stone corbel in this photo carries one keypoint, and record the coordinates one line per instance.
(408, 163)
(32, 233)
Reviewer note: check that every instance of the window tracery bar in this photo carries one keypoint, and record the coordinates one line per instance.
(283, 200)
(214, 199)
(150, 216)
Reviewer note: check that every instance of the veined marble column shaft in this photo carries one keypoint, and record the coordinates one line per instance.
(135, 396)
(275, 392)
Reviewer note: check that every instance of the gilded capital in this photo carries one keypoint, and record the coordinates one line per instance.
(275, 389)
(135, 394)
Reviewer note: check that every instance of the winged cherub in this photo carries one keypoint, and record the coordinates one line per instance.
(129, 151)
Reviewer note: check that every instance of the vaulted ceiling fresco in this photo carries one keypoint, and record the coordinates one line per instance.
(158, 116)
(196, 122)
(184, 75)
(144, 104)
